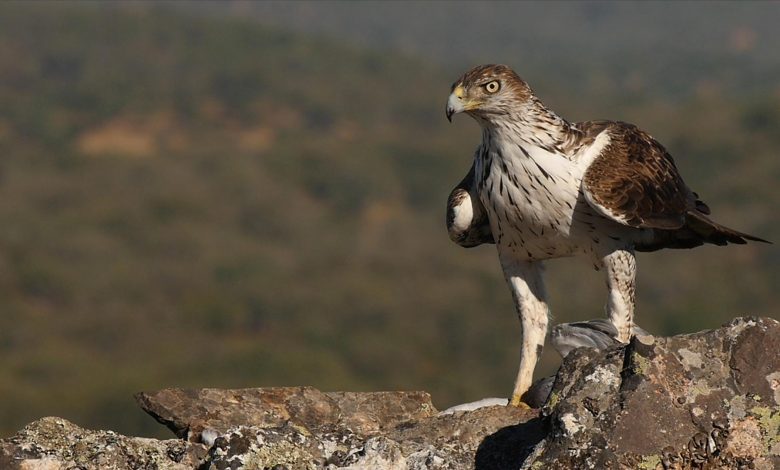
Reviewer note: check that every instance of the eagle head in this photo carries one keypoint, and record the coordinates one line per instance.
(488, 91)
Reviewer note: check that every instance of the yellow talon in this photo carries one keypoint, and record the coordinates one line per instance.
(517, 402)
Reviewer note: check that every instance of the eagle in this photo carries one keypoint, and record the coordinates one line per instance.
(541, 187)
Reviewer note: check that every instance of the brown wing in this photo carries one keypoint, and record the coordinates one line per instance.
(634, 181)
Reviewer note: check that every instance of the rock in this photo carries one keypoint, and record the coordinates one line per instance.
(188, 413)
(701, 401)
(705, 400)
(55, 443)
(301, 427)
(493, 437)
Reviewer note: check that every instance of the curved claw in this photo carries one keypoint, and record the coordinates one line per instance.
(517, 402)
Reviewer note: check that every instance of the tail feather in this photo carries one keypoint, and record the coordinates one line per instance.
(712, 232)
(700, 205)
(698, 230)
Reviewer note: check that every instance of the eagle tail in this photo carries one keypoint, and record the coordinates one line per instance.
(710, 231)
(697, 230)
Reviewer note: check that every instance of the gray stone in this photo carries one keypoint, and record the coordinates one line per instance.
(55, 443)
(494, 437)
(701, 401)
(189, 412)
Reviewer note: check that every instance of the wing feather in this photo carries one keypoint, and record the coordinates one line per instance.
(467, 222)
(635, 182)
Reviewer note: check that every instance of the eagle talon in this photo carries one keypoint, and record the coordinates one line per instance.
(517, 402)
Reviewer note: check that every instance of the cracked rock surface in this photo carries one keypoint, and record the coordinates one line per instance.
(55, 443)
(189, 412)
(705, 400)
(709, 400)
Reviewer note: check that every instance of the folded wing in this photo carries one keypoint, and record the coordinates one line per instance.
(635, 182)
(467, 222)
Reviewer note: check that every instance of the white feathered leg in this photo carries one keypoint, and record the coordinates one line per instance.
(621, 281)
(527, 286)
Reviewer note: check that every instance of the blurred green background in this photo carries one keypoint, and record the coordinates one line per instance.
(252, 194)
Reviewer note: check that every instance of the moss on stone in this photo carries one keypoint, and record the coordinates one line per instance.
(650, 462)
(554, 399)
(280, 453)
(641, 364)
(769, 422)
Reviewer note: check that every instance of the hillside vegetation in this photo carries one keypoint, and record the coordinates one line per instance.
(204, 201)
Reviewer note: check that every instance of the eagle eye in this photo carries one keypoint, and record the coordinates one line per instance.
(492, 87)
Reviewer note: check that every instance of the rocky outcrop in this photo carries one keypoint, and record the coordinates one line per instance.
(706, 400)
(198, 414)
(301, 427)
(55, 443)
(491, 437)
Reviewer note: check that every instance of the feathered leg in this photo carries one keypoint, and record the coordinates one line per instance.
(527, 286)
(621, 277)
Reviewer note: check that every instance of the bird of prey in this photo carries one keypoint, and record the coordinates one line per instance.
(541, 187)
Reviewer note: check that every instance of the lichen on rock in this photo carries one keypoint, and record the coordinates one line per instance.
(704, 400)
(55, 443)
(683, 402)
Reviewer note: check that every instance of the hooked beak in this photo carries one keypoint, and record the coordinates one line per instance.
(455, 102)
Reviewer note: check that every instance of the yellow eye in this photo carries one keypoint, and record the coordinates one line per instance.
(493, 86)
